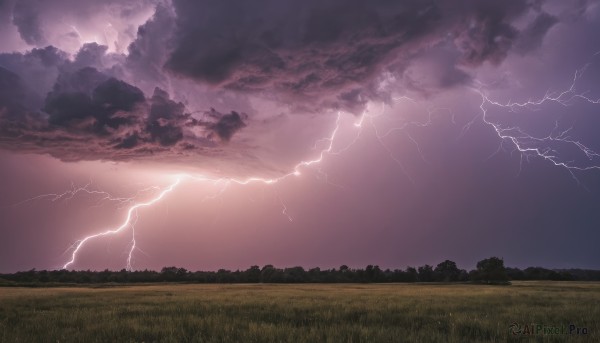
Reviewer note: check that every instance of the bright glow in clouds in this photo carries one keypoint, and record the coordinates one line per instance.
(108, 23)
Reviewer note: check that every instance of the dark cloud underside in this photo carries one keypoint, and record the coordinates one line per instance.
(309, 55)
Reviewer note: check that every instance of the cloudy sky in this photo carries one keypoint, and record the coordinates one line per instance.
(209, 135)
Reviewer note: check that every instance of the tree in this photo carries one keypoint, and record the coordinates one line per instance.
(491, 270)
(373, 274)
(253, 274)
(411, 274)
(426, 273)
(294, 274)
(169, 273)
(447, 271)
(268, 273)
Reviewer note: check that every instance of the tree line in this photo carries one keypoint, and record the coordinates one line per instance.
(490, 270)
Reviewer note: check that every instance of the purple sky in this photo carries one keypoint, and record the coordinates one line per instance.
(461, 130)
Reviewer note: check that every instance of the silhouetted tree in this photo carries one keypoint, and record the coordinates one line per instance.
(463, 276)
(515, 274)
(253, 274)
(373, 274)
(411, 274)
(426, 273)
(447, 271)
(294, 275)
(491, 270)
(267, 273)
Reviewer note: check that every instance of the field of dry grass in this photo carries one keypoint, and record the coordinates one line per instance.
(299, 313)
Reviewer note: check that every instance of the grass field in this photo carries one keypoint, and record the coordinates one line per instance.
(298, 313)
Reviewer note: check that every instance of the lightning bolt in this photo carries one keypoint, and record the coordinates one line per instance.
(132, 212)
(127, 223)
(284, 211)
(87, 189)
(529, 145)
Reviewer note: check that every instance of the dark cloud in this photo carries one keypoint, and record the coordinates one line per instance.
(90, 115)
(147, 54)
(487, 34)
(434, 70)
(80, 80)
(165, 135)
(331, 51)
(115, 95)
(227, 124)
(317, 50)
(26, 18)
(534, 33)
(16, 118)
(48, 56)
(165, 108)
(130, 141)
(108, 106)
(14, 96)
(309, 56)
(37, 68)
(90, 55)
(166, 119)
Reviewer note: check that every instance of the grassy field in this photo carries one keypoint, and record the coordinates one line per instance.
(298, 313)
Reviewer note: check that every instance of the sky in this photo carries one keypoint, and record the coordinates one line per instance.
(210, 135)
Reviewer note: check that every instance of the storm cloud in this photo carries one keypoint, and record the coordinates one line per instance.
(111, 102)
(331, 51)
(89, 115)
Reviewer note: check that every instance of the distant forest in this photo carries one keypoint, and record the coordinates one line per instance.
(490, 270)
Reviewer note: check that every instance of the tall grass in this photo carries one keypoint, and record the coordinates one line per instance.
(297, 313)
